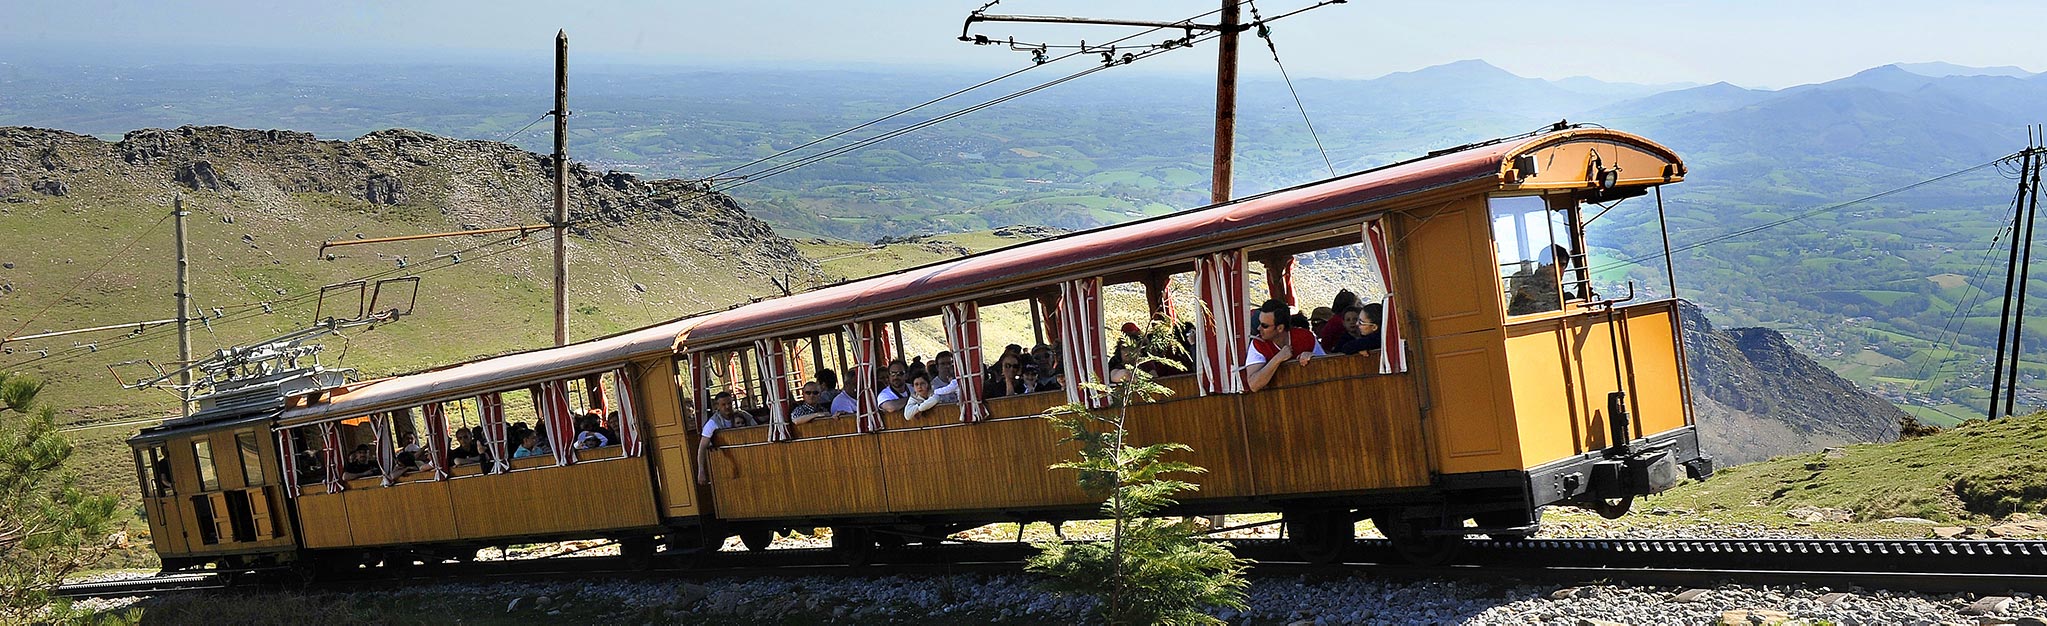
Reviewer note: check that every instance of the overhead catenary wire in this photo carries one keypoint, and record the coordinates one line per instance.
(75, 285)
(1265, 33)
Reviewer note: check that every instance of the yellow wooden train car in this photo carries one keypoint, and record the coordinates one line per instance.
(1501, 382)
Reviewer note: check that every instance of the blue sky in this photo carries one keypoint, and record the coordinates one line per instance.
(1752, 43)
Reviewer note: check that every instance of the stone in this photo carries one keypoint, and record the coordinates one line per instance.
(1908, 520)
(383, 189)
(1834, 453)
(200, 175)
(1690, 595)
(514, 604)
(1988, 605)
(6, 266)
(2030, 621)
(49, 187)
(2017, 517)
(1949, 532)
(1302, 622)
(2005, 530)
(688, 594)
(639, 288)
(1834, 598)
(1587, 621)
(1564, 594)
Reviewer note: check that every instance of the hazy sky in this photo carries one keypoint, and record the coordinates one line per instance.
(1771, 43)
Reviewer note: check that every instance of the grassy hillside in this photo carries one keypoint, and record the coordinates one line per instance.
(1978, 475)
(102, 254)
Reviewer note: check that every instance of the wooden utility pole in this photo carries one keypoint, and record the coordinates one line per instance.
(561, 187)
(184, 297)
(1225, 103)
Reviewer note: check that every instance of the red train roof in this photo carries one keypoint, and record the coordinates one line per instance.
(964, 274)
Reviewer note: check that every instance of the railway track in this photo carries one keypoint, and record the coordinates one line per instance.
(1934, 566)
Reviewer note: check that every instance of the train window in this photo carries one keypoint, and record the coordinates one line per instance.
(735, 371)
(1537, 263)
(311, 463)
(209, 478)
(252, 458)
(686, 394)
(1007, 323)
(160, 471)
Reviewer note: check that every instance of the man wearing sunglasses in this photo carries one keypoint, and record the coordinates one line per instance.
(1273, 344)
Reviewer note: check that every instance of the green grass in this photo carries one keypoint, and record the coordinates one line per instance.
(1974, 473)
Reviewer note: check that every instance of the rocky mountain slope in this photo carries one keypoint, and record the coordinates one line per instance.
(640, 251)
(1756, 396)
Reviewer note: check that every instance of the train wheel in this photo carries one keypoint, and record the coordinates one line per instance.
(1320, 536)
(1613, 509)
(757, 539)
(855, 546)
(1413, 540)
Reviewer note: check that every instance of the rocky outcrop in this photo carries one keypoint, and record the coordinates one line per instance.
(199, 175)
(1756, 396)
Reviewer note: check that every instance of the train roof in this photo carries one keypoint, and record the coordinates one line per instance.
(474, 377)
(1075, 253)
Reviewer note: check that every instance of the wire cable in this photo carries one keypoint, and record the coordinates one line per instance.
(1265, 33)
(75, 285)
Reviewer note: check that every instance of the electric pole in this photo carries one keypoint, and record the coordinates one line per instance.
(184, 297)
(561, 186)
(1225, 103)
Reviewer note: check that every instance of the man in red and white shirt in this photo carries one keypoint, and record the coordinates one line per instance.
(1275, 344)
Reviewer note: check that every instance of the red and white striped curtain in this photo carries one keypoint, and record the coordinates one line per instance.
(776, 370)
(1279, 279)
(330, 438)
(699, 386)
(552, 398)
(1222, 337)
(436, 438)
(1083, 354)
(865, 348)
(1392, 347)
(288, 456)
(628, 413)
(386, 457)
(963, 335)
(491, 407)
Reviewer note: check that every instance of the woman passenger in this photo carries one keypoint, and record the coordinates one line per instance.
(1008, 377)
(921, 399)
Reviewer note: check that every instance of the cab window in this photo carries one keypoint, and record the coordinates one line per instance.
(209, 478)
(1541, 264)
(252, 459)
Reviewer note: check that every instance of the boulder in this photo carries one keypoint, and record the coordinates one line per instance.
(51, 187)
(200, 176)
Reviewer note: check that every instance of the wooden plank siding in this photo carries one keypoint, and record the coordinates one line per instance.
(1333, 425)
(585, 497)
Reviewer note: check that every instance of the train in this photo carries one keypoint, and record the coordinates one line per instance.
(1503, 383)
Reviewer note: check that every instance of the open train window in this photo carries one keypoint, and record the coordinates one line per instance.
(160, 476)
(735, 371)
(209, 477)
(252, 459)
(1541, 259)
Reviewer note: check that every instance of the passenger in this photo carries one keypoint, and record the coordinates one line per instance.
(409, 452)
(161, 471)
(944, 385)
(601, 427)
(1361, 332)
(1319, 317)
(588, 435)
(467, 449)
(531, 445)
(1126, 358)
(1333, 331)
(1047, 360)
(311, 470)
(726, 416)
(1008, 379)
(921, 398)
(361, 464)
(1034, 381)
(843, 403)
(812, 405)
(894, 394)
(720, 417)
(1274, 344)
(1535, 290)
